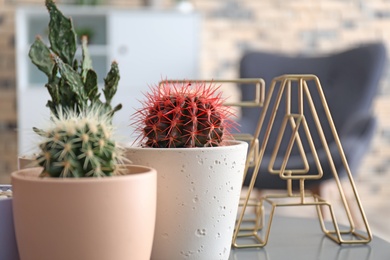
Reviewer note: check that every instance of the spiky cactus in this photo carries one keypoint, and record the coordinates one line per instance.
(70, 85)
(79, 145)
(183, 115)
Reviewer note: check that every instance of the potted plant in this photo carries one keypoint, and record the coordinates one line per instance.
(72, 84)
(60, 213)
(82, 202)
(184, 134)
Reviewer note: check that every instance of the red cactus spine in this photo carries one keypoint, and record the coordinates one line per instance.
(183, 115)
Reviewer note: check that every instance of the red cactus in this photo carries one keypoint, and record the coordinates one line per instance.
(183, 115)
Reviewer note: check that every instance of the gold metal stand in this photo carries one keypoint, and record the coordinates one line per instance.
(253, 225)
(297, 120)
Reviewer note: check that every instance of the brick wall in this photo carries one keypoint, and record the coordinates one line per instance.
(8, 137)
(230, 27)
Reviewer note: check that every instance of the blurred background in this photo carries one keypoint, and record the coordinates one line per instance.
(222, 31)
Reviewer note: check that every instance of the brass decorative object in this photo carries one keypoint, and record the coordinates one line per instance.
(295, 118)
(255, 226)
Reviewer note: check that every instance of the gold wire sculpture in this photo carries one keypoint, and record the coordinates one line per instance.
(252, 225)
(296, 119)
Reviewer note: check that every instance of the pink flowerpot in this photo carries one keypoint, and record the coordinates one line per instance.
(85, 218)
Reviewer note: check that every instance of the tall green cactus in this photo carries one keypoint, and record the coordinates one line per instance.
(79, 145)
(71, 85)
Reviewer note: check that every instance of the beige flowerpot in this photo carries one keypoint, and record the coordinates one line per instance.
(198, 192)
(85, 218)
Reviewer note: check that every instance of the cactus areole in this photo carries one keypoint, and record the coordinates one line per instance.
(183, 115)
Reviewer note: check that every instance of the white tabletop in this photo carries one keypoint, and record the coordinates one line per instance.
(302, 238)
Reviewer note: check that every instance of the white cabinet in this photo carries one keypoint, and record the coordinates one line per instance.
(149, 46)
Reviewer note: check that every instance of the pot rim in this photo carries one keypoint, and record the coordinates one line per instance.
(32, 175)
(229, 144)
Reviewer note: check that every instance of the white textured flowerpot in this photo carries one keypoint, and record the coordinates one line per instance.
(198, 192)
(85, 218)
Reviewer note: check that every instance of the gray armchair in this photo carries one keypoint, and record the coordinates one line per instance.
(349, 80)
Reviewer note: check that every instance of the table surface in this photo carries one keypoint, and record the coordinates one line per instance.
(290, 238)
(302, 238)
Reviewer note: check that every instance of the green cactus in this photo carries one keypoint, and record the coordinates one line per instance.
(70, 85)
(79, 145)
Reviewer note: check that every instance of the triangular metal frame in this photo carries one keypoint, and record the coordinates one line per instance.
(337, 233)
(296, 122)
